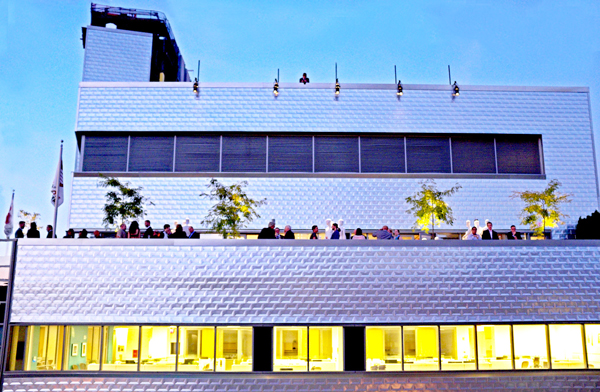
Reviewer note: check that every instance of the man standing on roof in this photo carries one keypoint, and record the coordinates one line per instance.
(304, 79)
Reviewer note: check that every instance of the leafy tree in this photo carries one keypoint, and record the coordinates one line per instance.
(429, 207)
(542, 208)
(28, 217)
(123, 202)
(588, 228)
(233, 210)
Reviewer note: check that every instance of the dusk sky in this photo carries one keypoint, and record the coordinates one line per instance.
(491, 42)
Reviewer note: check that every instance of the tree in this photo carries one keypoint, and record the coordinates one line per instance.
(429, 207)
(28, 217)
(588, 228)
(123, 202)
(542, 208)
(233, 210)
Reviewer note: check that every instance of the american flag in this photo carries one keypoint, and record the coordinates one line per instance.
(59, 177)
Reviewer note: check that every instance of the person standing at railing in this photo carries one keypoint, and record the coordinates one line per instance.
(33, 232)
(489, 234)
(19, 233)
(50, 231)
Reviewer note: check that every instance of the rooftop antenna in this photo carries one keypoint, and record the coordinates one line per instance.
(395, 76)
(449, 78)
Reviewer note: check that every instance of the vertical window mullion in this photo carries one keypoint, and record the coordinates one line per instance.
(476, 349)
(496, 160)
(548, 349)
(215, 346)
(267, 156)
(308, 349)
(80, 166)
(585, 353)
(220, 156)
(139, 358)
(62, 354)
(405, 162)
(439, 347)
(402, 355)
(359, 157)
(128, 147)
(313, 154)
(512, 345)
(174, 152)
(541, 149)
(451, 164)
(101, 348)
(177, 349)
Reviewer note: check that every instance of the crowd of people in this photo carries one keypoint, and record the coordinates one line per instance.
(333, 232)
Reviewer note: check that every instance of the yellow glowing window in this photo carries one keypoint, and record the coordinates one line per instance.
(592, 342)
(16, 347)
(44, 347)
(384, 348)
(121, 346)
(158, 349)
(234, 349)
(531, 350)
(566, 346)
(457, 344)
(494, 347)
(291, 349)
(421, 348)
(325, 348)
(196, 349)
(82, 348)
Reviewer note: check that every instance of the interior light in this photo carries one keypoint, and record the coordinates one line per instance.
(196, 86)
(276, 88)
(399, 93)
(456, 92)
(337, 87)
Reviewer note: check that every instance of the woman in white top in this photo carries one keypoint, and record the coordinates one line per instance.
(358, 235)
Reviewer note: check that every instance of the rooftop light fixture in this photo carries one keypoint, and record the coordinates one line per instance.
(337, 87)
(456, 92)
(276, 88)
(196, 86)
(399, 92)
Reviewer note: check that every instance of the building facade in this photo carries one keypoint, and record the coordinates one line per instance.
(271, 315)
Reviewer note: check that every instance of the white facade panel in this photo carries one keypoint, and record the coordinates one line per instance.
(117, 55)
(325, 282)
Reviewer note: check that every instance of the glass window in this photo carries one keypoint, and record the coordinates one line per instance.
(326, 349)
(291, 349)
(16, 346)
(531, 350)
(159, 348)
(82, 348)
(120, 351)
(234, 349)
(196, 349)
(421, 348)
(384, 349)
(458, 347)
(566, 346)
(592, 341)
(44, 347)
(494, 347)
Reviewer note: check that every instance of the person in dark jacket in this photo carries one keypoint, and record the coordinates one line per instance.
(50, 231)
(70, 234)
(83, 234)
(19, 233)
(149, 233)
(33, 232)
(489, 234)
(268, 233)
(288, 234)
(335, 235)
(304, 79)
(193, 233)
(514, 235)
(315, 233)
(179, 233)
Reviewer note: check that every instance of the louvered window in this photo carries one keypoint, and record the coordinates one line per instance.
(151, 154)
(105, 154)
(197, 153)
(336, 154)
(290, 154)
(428, 154)
(244, 154)
(518, 154)
(472, 154)
(382, 154)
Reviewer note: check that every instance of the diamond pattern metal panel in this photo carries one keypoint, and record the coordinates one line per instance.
(117, 55)
(187, 281)
(331, 383)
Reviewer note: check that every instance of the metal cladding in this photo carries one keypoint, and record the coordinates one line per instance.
(228, 281)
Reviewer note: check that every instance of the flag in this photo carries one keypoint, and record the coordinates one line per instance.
(58, 179)
(8, 225)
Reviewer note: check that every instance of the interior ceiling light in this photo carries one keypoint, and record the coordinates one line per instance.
(276, 88)
(456, 92)
(337, 87)
(399, 93)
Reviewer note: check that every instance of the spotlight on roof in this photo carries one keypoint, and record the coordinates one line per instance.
(399, 92)
(276, 88)
(196, 86)
(337, 87)
(456, 92)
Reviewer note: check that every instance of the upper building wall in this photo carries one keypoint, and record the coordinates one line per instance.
(117, 55)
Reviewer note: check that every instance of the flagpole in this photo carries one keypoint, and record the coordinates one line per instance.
(57, 190)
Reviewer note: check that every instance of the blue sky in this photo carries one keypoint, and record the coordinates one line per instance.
(486, 42)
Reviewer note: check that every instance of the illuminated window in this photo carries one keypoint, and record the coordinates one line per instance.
(421, 348)
(458, 347)
(44, 347)
(325, 349)
(159, 348)
(291, 349)
(494, 347)
(82, 348)
(196, 349)
(384, 349)
(120, 351)
(531, 350)
(16, 346)
(566, 346)
(234, 349)
(592, 337)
